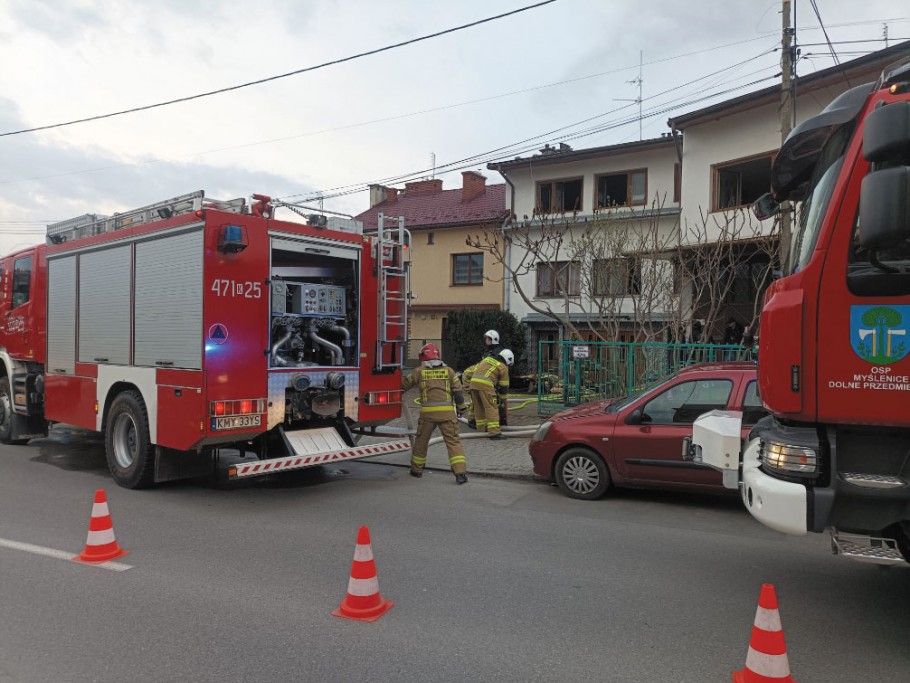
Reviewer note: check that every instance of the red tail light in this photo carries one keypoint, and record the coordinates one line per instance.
(246, 407)
(219, 408)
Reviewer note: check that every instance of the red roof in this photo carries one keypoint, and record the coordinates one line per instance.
(442, 208)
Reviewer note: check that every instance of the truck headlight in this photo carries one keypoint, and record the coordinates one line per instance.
(786, 458)
(542, 430)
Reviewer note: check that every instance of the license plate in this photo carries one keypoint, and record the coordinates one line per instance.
(238, 421)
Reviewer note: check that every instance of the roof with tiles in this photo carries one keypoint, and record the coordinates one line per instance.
(425, 204)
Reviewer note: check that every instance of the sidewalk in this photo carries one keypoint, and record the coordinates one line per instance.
(506, 458)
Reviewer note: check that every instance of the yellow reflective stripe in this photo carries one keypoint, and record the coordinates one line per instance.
(436, 409)
(455, 459)
(417, 460)
(435, 374)
(481, 380)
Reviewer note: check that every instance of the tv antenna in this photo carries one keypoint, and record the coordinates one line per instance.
(638, 80)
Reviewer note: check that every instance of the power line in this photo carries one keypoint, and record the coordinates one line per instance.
(285, 75)
(503, 153)
(401, 116)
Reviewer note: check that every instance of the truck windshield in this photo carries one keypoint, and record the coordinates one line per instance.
(815, 206)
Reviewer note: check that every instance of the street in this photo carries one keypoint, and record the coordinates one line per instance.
(496, 580)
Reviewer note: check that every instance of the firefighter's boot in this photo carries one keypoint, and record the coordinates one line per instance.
(461, 478)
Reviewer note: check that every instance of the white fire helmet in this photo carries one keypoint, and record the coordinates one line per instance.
(507, 356)
(492, 335)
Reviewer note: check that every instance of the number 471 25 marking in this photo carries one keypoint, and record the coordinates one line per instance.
(235, 288)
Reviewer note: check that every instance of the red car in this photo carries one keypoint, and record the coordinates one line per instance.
(637, 441)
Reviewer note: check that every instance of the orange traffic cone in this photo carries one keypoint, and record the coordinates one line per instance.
(766, 661)
(363, 601)
(100, 546)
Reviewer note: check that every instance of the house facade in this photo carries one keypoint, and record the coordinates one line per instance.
(586, 227)
(446, 273)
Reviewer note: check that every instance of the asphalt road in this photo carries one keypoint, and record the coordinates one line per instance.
(496, 580)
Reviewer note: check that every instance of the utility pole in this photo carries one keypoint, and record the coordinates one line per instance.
(638, 80)
(787, 109)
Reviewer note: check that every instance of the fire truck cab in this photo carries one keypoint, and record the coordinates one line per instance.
(192, 326)
(834, 349)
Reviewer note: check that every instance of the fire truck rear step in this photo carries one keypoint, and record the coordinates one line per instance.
(863, 548)
(311, 447)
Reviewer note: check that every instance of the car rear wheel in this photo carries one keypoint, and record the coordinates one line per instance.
(582, 474)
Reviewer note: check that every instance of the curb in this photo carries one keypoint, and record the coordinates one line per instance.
(485, 475)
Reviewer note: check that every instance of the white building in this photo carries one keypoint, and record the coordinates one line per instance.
(704, 173)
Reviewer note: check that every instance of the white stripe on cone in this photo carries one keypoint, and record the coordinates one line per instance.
(767, 619)
(363, 587)
(102, 537)
(100, 509)
(770, 666)
(363, 553)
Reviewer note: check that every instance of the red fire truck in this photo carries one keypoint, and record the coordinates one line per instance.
(192, 326)
(834, 350)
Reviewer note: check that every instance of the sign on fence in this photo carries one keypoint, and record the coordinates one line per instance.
(581, 352)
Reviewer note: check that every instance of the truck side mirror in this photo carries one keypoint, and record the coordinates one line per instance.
(886, 132)
(884, 214)
(765, 206)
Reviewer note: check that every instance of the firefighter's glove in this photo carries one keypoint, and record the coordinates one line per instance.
(461, 410)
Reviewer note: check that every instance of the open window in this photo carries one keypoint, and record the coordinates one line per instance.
(739, 183)
(629, 188)
(559, 196)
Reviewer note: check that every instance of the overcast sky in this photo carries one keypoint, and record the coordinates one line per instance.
(560, 72)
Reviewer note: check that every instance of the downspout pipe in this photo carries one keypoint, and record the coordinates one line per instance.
(507, 276)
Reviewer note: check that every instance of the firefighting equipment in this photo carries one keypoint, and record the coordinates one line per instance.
(508, 357)
(461, 478)
(492, 335)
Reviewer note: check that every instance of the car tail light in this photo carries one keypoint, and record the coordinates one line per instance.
(218, 408)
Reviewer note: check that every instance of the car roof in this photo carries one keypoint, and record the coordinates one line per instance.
(727, 367)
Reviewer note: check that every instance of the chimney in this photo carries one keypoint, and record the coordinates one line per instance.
(429, 186)
(378, 194)
(472, 185)
(392, 195)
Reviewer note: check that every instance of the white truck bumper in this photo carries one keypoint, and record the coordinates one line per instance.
(778, 504)
(717, 441)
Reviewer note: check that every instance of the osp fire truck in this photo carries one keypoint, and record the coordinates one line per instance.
(191, 326)
(834, 345)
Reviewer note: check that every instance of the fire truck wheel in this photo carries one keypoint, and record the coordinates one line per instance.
(130, 453)
(6, 413)
(582, 474)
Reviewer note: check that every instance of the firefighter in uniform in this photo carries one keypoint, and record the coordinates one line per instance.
(489, 378)
(441, 402)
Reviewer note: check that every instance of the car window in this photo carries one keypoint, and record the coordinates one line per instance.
(753, 410)
(684, 402)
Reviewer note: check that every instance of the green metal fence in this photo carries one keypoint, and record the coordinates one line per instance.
(574, 372)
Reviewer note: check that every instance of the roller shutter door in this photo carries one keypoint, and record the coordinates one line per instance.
(61, 315)
(168, 295)
(104, 306)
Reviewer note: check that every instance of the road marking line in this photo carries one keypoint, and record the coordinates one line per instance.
(61, 555)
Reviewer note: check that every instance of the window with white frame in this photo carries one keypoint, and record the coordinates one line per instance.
(558, 278)
(629, 188)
